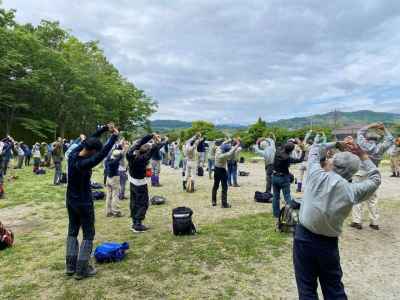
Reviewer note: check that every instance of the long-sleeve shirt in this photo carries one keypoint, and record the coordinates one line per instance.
(329, 198)
(112, 166)
(222, 158)
(373, 149)
(138, 162)
(80, 171)
(283, 161)
(190, 150)
(268, 153)
(394, 151)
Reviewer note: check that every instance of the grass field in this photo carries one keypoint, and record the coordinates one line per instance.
(222, 261)
(236, 255)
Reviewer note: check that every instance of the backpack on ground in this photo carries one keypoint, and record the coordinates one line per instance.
(288, 219)
(182, 223)
(190, 186)
(157, 200)
(98, 195)
(241, 160)
(63, 178)
(110, 252)
(200, 171)
(263, 197)
(244, 173)
(40, 171)
(6, 237)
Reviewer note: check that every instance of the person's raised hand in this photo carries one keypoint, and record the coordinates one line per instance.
(356, 150)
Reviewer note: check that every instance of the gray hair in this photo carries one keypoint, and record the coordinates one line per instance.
(346, 164)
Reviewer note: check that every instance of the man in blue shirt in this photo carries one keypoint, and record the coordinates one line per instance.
(79, 200)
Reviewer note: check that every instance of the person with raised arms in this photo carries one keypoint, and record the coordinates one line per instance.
(82, 159)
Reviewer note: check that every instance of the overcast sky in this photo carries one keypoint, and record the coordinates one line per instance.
(232, 61)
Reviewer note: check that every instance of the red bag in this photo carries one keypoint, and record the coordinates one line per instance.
(6, 237)
(149, 172)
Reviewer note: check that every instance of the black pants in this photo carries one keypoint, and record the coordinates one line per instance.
(317, 257)
(27, 160)
(269, 169)
(139, 202)
(81, 217)
(220, 176)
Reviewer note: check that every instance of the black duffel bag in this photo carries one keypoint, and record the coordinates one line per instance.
(182, 223)
(263, 197)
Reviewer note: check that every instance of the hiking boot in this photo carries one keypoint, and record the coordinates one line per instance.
(356, 225)
(139, 228)
(84, 269)
(70, 262)
(375, 227)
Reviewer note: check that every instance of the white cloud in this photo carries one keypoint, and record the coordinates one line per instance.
(230, 60)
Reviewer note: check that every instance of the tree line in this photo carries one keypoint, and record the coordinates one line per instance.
(52, 84)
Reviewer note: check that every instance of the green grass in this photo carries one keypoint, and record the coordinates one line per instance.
(228, 258)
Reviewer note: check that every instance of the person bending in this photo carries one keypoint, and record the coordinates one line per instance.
(138, 157)
(79, 200)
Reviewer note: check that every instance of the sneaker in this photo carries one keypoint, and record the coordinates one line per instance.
(356, 225)
(393, 175)
(226, 206)
(375, 227)
(89, 271)
(108, 215)
(214, 203)
(139, 228)
(236, 185)
(117, 214)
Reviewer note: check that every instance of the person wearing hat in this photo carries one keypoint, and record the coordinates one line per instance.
(138, 157)
(266, 149)
(394, 153)
(113, 184)
(79, 201)
(281, 176)
(369, 138)
(328, 200)
(223, 153)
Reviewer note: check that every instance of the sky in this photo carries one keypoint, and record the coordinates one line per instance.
(233, 61)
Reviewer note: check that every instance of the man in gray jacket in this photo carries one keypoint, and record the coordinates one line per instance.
(328, 199)
(223, 153)
(368, 138)
(266, 149)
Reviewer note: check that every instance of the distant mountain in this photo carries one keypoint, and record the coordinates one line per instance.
(166, 125)
(341, 119)
(328, 119)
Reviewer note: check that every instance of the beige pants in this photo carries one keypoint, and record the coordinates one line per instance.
(190, 170)
(112, 200)
(372, 203)
(395, 163)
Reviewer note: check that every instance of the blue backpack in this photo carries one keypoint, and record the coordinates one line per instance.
(110, 252)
